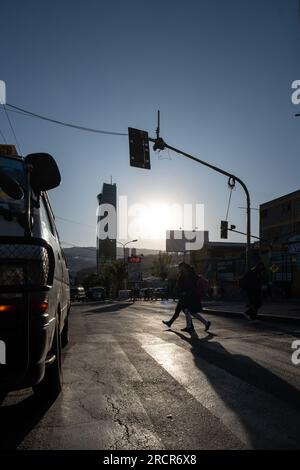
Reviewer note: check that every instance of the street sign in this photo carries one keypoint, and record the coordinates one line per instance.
(139, 152)
(274, 268)
(294, 248)
(225, 270)
(134, 259)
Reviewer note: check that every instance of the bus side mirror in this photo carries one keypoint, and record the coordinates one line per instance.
(45, 174)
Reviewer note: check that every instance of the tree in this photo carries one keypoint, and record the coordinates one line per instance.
(161, 265)
(111, 276)
(118, 272)
(91, 280)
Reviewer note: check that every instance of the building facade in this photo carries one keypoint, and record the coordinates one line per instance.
(280, 242)
(280, 218)
(107, 245)
(222, 263)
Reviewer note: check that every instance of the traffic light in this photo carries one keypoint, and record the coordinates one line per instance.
(224, 229)
(139, 152)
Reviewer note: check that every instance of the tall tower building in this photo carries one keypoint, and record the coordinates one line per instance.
(107, 247)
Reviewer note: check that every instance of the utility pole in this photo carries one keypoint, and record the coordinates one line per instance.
(124, 259)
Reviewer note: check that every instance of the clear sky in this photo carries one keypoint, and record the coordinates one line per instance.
(220, 72)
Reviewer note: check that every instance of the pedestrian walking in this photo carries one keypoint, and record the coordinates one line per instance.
(251, 283)
(189, 285)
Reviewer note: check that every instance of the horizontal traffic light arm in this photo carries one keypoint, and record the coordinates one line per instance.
(160, 144)
(252, 236)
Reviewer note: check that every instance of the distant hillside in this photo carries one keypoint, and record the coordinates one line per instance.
(80, 257)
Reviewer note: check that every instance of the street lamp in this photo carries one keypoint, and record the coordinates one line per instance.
(124, 245)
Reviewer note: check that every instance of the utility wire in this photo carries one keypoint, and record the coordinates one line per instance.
(231, 185)
(73, 222)
(12, 129)
(62, 123)
(226, 218)
(3, 136)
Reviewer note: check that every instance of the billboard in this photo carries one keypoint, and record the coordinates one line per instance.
(226, 270)
(180, 241)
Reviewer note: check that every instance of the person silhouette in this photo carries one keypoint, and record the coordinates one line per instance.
(189, 298)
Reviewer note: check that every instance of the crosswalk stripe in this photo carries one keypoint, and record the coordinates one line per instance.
(258, 419)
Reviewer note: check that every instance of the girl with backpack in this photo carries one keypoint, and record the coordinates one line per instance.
(191, 288)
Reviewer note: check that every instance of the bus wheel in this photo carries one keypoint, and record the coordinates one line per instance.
(65, 333)
(51, 385)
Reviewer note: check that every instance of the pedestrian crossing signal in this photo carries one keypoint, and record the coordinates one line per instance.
(139, 152)
(224, 229)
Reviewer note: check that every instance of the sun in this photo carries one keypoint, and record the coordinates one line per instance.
(154, 219)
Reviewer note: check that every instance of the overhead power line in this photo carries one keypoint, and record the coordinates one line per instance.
(3, 136)
(74, 222)
(12, 130)
(61, 123)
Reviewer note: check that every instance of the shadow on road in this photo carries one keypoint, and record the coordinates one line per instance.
(17, 420)
(114, 309)
(246, 369)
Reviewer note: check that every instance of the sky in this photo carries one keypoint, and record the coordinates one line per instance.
(219, 72)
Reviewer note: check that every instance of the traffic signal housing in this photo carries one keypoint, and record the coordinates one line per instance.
(139, 152)
(224, 229)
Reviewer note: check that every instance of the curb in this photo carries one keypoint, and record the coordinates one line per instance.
(262, 317)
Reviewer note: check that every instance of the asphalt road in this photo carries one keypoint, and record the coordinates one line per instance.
(129, 383)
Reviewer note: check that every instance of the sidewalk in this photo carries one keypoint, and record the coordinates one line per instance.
(284, 311)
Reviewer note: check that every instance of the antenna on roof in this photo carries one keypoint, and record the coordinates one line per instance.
(158, 125)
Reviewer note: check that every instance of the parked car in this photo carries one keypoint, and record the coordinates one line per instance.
(160, 293)
(146, 293)
(96, 293)
(34, 279)
(77, 294)
(124, 294)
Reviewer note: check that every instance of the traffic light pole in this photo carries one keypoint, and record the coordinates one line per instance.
(159, 144)
(252, 236)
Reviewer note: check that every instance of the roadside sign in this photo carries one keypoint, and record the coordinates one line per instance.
(139, 152)
(274, 268)
(294, 248)
(134, 259)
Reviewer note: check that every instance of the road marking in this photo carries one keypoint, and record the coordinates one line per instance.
(2, 352)
(257, 418)
(99, 408)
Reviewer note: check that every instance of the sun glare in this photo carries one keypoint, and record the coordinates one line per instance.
(156, 219)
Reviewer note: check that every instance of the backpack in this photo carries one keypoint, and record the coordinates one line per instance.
(202, 285)
(244, 281)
